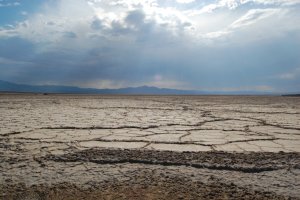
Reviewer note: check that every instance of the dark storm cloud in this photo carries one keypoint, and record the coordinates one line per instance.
(16, 48)
(96, 24)
(69, 34)
(137, 44)
(135, 18)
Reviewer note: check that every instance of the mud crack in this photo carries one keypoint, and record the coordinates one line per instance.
(246, 163)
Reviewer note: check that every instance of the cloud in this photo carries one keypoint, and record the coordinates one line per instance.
(185, 1)
(9, 62)
(292, 75)
(234, 4)
(287, 76)
(16, 48)
(230, 4)
(96, 24)
(98, 18)
(160, 43)
(253, 16)
(135, 17)
(11, 4)
(69, 34)
(24, 13)
(217, 34)
(275, 2)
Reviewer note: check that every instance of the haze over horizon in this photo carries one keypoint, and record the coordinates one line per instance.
(211, 45)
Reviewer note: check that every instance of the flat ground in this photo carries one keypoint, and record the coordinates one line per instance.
(149, 147)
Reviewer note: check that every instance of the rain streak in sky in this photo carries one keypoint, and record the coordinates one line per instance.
(211, 45)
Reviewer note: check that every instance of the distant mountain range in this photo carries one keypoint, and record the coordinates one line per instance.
(13, 87)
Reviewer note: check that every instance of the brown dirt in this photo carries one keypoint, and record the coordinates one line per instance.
(161, 188)
(153, 183)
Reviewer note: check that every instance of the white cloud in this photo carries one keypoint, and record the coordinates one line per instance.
(185, 1)
(10, 4)
(253, 16)
(275, 2)
(216, 34)
(100, 18)
(233, 4)
(24, 13)
(55, 19)
(104, 43)
(7, 32)
(292, 75)
(287, 76)
(230, 4)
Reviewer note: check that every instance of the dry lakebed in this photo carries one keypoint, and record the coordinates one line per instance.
(149, 147)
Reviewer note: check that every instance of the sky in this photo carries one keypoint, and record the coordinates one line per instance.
(211, 45)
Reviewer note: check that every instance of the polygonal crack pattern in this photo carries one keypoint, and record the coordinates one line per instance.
(39, 134)
(238, 124)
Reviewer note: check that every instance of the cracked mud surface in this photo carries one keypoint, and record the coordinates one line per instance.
(149, 147)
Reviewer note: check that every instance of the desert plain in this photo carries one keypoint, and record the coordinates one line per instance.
(149, 147)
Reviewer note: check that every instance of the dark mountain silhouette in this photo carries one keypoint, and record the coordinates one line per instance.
(14, 87)
(291, 95)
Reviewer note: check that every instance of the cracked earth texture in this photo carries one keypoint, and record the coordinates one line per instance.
(149, 147)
